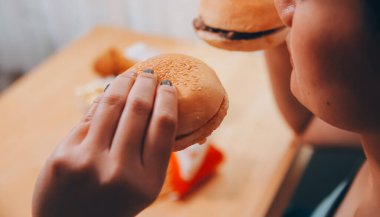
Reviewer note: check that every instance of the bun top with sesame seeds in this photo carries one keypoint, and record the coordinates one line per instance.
(202, 100)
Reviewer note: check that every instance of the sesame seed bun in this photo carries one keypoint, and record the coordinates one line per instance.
(202, 100)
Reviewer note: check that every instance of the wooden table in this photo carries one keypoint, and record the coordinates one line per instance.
(40, 108)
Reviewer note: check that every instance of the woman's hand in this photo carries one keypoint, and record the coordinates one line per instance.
(113, 163)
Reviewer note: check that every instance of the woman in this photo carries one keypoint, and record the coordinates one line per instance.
(334, 47)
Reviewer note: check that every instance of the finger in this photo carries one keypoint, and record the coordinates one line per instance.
(108, 112)
(162, 129)
(78, 133)
(129, 136)
(91, 111)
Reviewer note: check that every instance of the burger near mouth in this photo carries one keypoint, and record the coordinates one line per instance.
(199, 24)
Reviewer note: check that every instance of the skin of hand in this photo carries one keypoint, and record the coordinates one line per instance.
(114, 162)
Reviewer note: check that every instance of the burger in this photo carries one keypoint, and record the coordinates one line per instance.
(202, 100)
(240, 25)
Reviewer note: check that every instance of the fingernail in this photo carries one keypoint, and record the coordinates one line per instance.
(150, 71)
(106, 87)
(166, 82)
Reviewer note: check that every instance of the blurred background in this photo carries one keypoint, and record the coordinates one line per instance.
(31, 30)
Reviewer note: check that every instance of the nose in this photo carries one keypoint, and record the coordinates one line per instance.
(285, 9)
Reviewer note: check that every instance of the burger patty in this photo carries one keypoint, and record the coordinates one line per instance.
(232, 35)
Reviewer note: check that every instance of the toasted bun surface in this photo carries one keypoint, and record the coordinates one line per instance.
(241, 16)
(202, 100)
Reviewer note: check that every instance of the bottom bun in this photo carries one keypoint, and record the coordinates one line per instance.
(262, 43)
(199, 135)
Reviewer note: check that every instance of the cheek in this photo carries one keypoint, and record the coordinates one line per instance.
(334, 68)
(304, 79)
(325, 68)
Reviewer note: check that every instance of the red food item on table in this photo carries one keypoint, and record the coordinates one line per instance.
(190, 167)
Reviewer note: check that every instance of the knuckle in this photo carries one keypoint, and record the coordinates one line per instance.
(77, 133)
(113, 175)
(71, 164)
(87, 118)
(140, 106)
(127, 75)
(113, 100)
(60, 164)
(97, 100)
(167, 121)
(91, 111)
(86, 159)
(168, 91)
(147, 76)
(85, 162)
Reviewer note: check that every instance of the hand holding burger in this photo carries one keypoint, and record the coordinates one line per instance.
(202, 100)
(113, 163)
